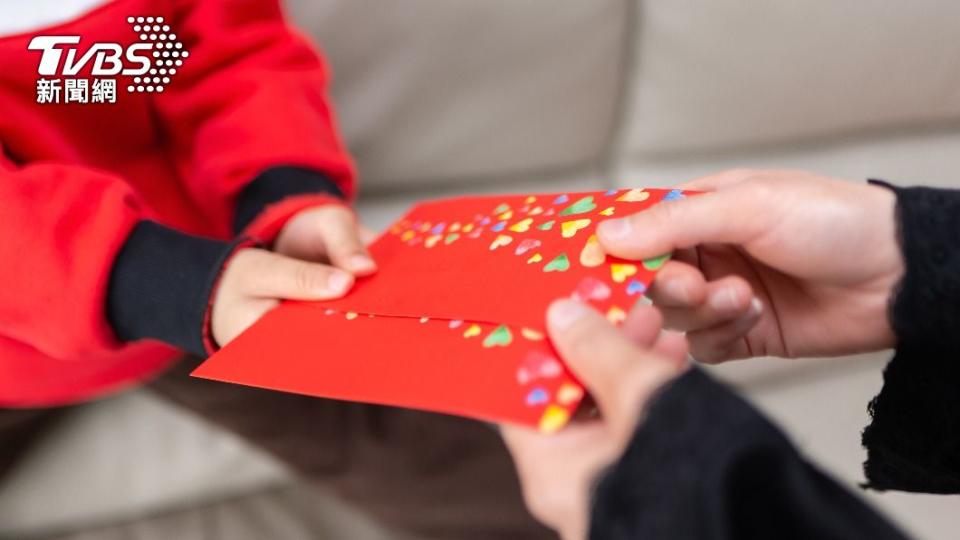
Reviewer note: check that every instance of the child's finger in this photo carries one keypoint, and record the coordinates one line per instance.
(270, 275)
(345, 247)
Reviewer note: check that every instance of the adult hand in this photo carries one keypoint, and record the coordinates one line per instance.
(316, 256)
(621, 370)
(781, 263)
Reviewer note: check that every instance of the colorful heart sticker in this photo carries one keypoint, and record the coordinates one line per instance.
(499, 226)
(432, 240)
(674, 195)
(554, 418)
(535, 258)
(560, 263)
(591, 288)
(407, 236)
(537, 396)
(451, 238)
(592, 254)
(522, 226)
(616, 315)
(569, 393)
(503, 207)
(499, 337)
(634, 195)
(538, 365)
(506, 215)
(530, 199)
(473, 331)
(561, 199)
(531, 334)
(656, 262)
(636, 287)
(455, 323)
(500, 241)
(621, 271)
(536, 211)
(569, 228)
(607, 211)
(582, 206)
(546, 226)
(475, 233)
(438, 228)
(526, 245)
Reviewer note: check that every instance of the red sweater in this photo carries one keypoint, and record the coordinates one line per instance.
(76, 179)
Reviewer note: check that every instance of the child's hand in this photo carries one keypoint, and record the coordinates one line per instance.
(256, 280)
(328, 233)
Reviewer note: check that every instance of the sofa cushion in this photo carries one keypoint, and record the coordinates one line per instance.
(122, 457)
(432, 91)
(724, 74)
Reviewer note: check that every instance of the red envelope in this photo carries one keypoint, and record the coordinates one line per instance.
(453, 321)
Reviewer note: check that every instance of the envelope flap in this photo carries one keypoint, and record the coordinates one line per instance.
(503, 259)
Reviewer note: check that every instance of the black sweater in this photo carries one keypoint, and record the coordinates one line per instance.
(707, 465)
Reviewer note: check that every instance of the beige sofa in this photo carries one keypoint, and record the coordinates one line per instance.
(449, 97)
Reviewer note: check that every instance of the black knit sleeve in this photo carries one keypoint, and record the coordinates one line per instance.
(275, 184)
(705, 465)
(160, 285)
(913, 442)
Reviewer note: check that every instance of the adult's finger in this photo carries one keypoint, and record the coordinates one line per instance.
(619, 376)
(678, 284)
(733, 216)
(725, 341)
(270, 275)
(724, 299)
(720, 180)
(341, 236)
(642, 325)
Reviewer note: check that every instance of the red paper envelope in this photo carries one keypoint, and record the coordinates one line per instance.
(453, 321)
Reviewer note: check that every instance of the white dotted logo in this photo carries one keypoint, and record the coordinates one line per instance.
(166, 58)
(150, 63)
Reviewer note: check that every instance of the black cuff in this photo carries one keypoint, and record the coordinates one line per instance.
(706, 465)
(913, 441)
(274, 185)
(926, 307)
(692, 430)
(160, 286)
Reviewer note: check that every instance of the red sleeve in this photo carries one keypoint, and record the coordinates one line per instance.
(251, 95)
(60, 229)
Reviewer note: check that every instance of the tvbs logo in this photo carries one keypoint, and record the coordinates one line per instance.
(151, 62)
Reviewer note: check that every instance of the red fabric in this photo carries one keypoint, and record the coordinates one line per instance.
(75, 178)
